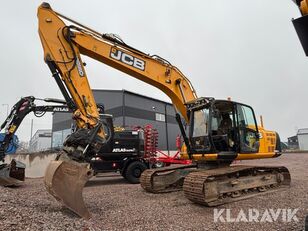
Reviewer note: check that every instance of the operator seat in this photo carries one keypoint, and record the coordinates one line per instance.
(225, 125)
(223, 140)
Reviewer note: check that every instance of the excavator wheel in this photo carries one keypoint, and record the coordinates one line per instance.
(134, 171)
(65, 180)
(12, 174)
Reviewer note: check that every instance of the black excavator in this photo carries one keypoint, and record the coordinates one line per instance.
(13, 174)
(125, 154)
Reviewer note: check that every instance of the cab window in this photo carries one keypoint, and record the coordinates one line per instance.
(248, 131)
(200, 126)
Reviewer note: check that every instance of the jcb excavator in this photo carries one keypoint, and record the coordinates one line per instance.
(220, 131)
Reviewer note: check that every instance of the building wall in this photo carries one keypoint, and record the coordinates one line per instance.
(293, 142)
(303, 141)
(128, 110)
(61, 120)
(58, 137)
(36, 164)
(112, 100)
(40, 141)
(161, 115)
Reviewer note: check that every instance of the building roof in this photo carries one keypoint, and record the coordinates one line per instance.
(292, 137)
(41, 133)
(302, 131)
(133, 93)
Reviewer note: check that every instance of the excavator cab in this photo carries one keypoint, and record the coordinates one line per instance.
(222, 126)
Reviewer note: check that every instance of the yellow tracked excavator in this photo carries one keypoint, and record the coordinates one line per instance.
(219, 131)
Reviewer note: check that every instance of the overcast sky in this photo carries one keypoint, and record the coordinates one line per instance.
(247, 50)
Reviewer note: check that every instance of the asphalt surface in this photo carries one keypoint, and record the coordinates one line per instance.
(117, 205)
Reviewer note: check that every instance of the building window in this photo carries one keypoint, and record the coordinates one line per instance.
(160, 117)
(59, 137)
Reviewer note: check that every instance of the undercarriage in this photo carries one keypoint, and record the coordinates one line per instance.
(212, 187)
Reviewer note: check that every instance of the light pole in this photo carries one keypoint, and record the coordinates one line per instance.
(7, 108)
(31, 129)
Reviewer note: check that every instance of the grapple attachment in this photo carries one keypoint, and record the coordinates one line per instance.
(65, 180)
(12, 174)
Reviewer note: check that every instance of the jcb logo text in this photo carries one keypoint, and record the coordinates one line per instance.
(127, 59)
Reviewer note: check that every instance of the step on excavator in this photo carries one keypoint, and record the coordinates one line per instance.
(220, 131)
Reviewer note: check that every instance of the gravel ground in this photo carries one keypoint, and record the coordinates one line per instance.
(117, 205)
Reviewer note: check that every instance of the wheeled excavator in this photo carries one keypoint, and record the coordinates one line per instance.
(219, 131)
(13, 174)
(126, 154)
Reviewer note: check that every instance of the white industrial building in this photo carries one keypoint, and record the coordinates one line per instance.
(40, 141)
(302, 136)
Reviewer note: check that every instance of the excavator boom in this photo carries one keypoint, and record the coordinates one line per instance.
(111, 50)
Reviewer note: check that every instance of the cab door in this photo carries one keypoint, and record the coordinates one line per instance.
(248, 137)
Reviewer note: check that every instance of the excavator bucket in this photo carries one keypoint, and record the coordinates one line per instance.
(65, 180)
(301, 24)
(12, 174)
